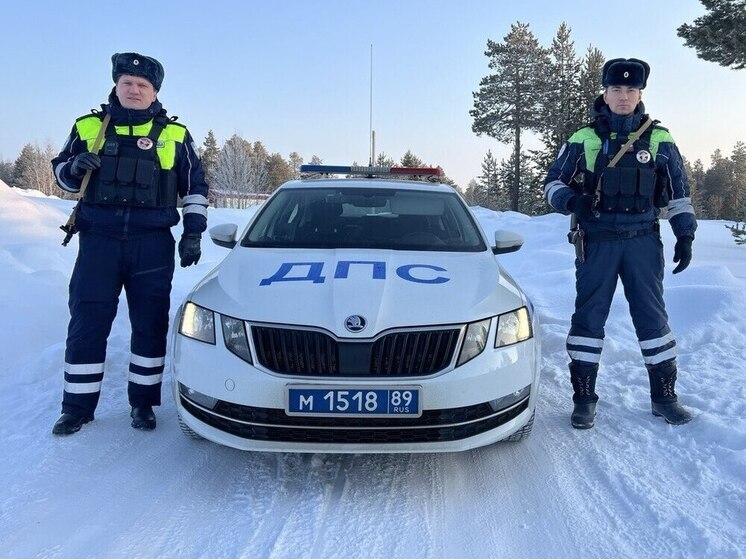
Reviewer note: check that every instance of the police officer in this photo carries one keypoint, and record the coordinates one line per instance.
(146, 160)
(617, 207)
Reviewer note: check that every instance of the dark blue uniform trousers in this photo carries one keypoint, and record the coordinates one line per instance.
(144, 266)
(639, 263)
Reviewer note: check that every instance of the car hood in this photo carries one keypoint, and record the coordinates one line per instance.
(387, 288)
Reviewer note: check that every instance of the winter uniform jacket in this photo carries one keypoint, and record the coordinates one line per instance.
(176, 152)
(583, 156)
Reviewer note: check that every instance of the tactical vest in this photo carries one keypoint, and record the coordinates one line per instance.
(633, 185)
(137, 163)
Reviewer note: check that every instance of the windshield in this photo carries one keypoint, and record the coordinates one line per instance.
(365, 218)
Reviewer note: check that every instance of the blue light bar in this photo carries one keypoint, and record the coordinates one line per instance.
(328, 169)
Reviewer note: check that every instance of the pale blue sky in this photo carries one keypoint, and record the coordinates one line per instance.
(295, 74)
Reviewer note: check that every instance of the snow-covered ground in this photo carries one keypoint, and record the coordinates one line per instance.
(631, 487)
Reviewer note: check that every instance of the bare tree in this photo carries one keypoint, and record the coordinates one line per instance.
(239, 174)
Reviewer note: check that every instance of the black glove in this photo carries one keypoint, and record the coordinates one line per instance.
(189, 250)
(682, 253)
(83, 162)
(582, 206)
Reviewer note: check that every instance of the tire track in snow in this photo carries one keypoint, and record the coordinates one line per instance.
(339, 468)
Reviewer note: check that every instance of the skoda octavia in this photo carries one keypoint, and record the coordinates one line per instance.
(358, 314)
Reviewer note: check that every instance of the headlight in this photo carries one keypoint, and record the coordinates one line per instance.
(474, 341)
(234, 334)
(513, 327)
(198, 323)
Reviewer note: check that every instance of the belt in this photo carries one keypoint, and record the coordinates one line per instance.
(599, 236)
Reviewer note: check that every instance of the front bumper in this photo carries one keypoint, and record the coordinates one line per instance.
(249, 408)
(252, 428)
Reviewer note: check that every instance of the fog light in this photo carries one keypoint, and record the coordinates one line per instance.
(198, 398)
(510, 399)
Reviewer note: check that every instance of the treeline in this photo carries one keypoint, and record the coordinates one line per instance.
(32, 170)
(719, 192)
(240, 173)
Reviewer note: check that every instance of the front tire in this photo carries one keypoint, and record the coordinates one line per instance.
(188, 430)
(523, 432)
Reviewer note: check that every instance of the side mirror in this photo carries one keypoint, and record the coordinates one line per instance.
(506, 241)
(224, 235)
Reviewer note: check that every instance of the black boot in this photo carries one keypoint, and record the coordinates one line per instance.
(583, 378)
(663, 396)
(70, 423)
(143, 418)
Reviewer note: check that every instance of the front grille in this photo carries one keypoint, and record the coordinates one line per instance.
(413, 353)
(297, 352)
(267, 424)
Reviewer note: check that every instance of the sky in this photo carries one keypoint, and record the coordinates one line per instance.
(296, 74)
(632, 486)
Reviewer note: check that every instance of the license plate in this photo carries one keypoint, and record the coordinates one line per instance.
(353, 402)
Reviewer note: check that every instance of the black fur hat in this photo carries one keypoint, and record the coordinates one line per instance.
(134, 64)
(631, 72)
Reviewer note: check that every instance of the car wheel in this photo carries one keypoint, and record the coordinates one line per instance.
(188, 430)
(523, 432)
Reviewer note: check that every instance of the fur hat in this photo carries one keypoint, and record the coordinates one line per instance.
(134, 64)
(631, 72)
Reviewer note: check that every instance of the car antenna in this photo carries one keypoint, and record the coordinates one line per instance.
(372, 132)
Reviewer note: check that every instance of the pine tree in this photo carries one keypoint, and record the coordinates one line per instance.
(562, 107)
(23, 162)
(507, 103)
(279, 171)
(383, 160)
(209, 155)
(716, 186)
(490, 194)
(589, 83)
(474, 195)
(411, 160)
(738, 157)
(7, 172)
(719, 35)
(696, 176)
(33, 169)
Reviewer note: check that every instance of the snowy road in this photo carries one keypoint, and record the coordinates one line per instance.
(631, 487)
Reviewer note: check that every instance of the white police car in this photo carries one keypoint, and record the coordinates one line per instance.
(358, 315)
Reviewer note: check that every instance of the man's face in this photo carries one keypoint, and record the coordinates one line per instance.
(622, 99)
(135, 92)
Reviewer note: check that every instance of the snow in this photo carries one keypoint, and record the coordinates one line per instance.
(632, 486)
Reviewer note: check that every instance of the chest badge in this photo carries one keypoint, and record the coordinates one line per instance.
(144, 143)
(643, 156)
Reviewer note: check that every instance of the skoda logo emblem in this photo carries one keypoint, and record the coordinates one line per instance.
(355, 323)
